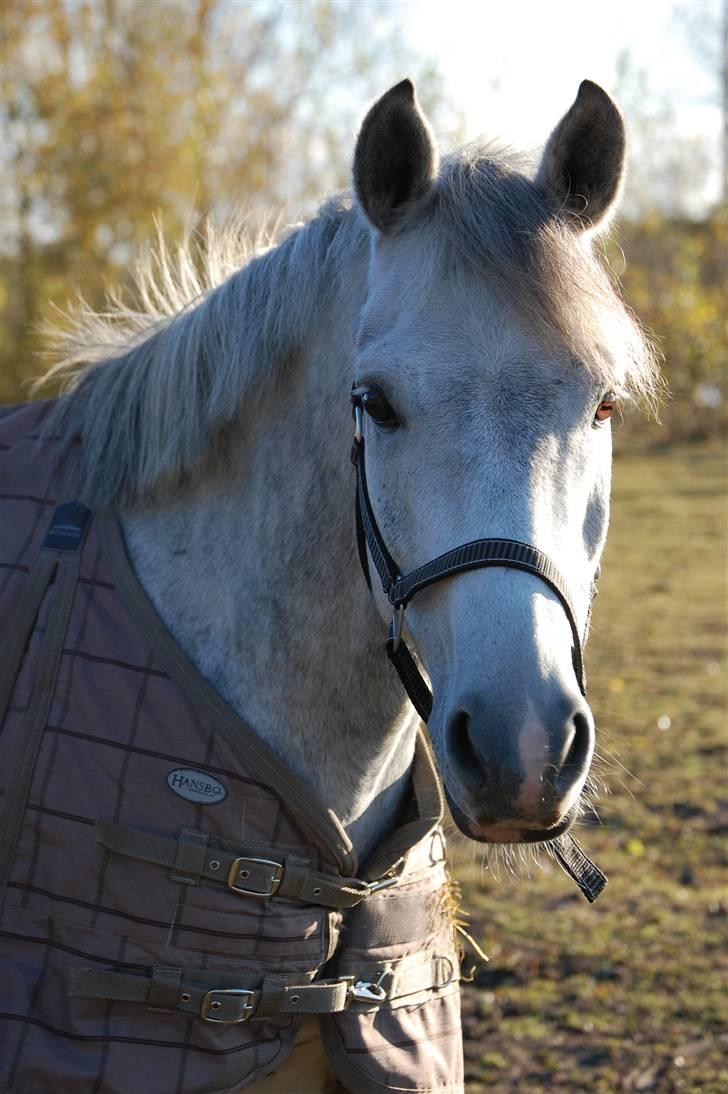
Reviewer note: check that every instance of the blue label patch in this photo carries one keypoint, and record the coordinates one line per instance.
(68, 526)
(196, 786)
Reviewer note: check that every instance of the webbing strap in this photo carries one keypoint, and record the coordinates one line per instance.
(227, 1000)
(244, 871)
(164, 987)
(572, 859)
(482, 553)
(385, 564)
(407, 976)
(414, 683)
(191, 856)
(58, 563)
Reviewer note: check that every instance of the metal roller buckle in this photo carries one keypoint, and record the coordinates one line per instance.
(238, 873)
(212, 1004)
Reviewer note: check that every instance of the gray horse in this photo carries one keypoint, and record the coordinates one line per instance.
(489, 349)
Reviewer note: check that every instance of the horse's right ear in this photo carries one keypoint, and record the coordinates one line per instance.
(395, 158)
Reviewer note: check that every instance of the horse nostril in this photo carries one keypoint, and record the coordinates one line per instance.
(461, 748)
(577, 756)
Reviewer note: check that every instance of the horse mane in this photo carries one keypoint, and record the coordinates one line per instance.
(152, 386)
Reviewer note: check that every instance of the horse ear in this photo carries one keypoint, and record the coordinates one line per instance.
(395, 158)
(583, 162)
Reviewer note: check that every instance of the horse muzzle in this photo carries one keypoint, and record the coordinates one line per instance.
(517, 784)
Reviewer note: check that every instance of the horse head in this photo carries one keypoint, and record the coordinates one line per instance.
(491, 350)
(487, 348)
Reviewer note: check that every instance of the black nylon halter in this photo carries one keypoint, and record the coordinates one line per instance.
(399, 589)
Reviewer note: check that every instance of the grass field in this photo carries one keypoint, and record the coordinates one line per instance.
(626, 995)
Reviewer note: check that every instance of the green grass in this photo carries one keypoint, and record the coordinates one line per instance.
(626, 995)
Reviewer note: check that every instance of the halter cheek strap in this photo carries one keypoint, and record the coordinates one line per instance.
(478, 554)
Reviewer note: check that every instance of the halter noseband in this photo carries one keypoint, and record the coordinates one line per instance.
(399, 589)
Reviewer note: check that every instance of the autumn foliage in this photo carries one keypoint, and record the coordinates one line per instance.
(116, 111)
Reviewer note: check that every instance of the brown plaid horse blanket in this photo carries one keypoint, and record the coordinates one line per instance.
(175, 902)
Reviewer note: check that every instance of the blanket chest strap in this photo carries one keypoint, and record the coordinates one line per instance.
(192, 857)
(227, 999)
(166, 990)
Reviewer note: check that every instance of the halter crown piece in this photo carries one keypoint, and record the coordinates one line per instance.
(400, 589)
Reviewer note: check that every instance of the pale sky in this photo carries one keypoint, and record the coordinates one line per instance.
(514, 66)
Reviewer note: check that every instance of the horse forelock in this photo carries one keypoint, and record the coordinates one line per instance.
(502, 223)
(153, 386)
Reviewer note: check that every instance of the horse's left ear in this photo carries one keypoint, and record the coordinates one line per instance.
(395, 158)
(583, 162)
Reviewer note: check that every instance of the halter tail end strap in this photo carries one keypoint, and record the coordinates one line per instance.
(573, 860)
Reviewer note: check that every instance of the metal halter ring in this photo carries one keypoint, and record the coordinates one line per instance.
(358, 422)
(395, 627)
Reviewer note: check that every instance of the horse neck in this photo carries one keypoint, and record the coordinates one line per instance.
(255, 573)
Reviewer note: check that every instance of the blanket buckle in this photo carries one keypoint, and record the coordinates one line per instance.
(239, 871)
(390, 878)
(214, 1009)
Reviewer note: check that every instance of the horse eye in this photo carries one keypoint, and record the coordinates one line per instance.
(606, 408)
(379, 409)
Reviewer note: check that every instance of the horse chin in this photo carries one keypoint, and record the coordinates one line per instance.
(509, 833)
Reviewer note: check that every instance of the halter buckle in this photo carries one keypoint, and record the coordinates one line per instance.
(395, 627)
